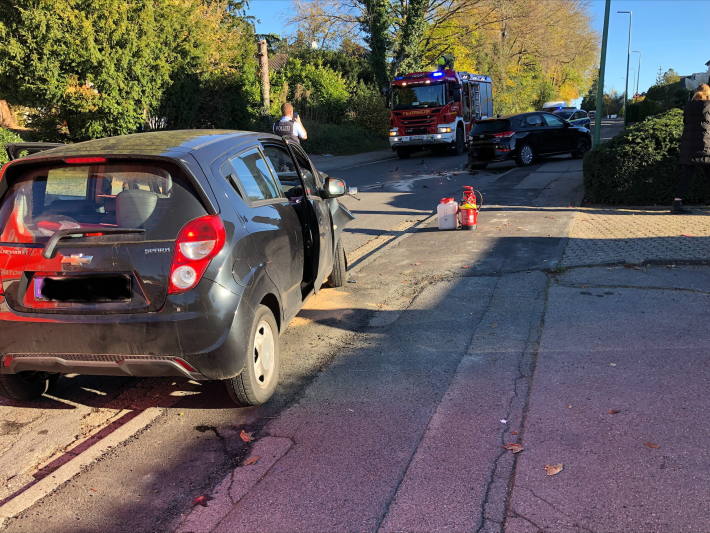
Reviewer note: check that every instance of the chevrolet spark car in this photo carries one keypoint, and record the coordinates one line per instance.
(178, 253)
(524, 138)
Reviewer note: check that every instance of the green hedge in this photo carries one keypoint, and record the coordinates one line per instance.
(640, 166)
(339, 139)
(7, 136)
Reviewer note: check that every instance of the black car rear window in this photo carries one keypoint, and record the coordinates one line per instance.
(491, 126)
(41, 200)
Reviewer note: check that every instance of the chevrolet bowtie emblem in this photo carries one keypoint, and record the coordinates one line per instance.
(77, 259)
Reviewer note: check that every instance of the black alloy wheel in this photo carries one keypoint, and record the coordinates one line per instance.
(582, 146)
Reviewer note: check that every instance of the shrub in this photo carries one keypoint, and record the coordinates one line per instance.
(340, 139)
(640, 167)
(7, 136)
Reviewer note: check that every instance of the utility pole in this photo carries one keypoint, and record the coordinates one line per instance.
(600, 79)
(264, 68)
(638, 70)
(628, 60)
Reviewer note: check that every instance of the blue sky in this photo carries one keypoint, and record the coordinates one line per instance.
(669, 33)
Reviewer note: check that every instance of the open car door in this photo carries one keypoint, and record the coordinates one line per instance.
(17, 150)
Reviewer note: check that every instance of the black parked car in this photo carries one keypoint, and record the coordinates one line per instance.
(177, 253)
(577, 117)
(524, 138)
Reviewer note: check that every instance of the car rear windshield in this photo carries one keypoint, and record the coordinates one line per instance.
(491, 126)
(41, 200)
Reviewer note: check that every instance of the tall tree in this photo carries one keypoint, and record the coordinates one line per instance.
(376, 23)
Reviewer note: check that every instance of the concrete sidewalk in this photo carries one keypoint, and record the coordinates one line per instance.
(594, 360)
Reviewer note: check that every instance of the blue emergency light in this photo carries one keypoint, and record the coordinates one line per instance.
(437, 74)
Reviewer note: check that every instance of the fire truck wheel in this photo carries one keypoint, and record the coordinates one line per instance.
(525, 155)
(460, 146)
(403, 153)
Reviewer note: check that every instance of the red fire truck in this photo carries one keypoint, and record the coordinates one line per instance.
(436, 109)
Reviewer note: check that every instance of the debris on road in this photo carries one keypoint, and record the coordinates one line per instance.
(651, 445)
(252, 460)
(553, 470)
(514, 447)
(246, 437)
(201, 500)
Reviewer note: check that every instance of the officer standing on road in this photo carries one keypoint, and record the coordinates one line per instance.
(290, 126)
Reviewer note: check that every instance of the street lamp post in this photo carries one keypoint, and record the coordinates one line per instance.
(628, 60)
(638, 70)
(600, 79)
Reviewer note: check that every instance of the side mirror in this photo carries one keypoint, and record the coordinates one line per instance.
(334, 188)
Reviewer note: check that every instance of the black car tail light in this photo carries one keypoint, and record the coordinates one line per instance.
(198, 242)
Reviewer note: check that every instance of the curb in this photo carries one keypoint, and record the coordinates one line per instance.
(35, 491)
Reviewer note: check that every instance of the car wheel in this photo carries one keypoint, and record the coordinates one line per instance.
(460, 144)
(339, 275)
(403, 153)
(257, 381)
(525, 156)
(581, 148)
(24, 386)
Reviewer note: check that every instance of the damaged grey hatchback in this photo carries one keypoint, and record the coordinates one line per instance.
(177, 253)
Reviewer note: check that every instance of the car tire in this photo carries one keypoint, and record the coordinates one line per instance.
(24, 386)
(582, 147)
(403, 153)
(257, 382)
(525, 155)
(339, 276)
(460, 143)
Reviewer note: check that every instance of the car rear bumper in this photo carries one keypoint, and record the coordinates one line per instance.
(183, 339)
(488, 154)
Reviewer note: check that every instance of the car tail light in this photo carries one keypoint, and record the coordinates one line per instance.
(504, 134)
(84, 160)
(198, 242)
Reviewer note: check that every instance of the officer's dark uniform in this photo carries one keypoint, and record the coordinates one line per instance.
(285, 128)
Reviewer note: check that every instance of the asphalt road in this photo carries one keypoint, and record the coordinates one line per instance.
(418, 296)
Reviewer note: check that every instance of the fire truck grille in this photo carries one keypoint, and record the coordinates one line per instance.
(418, 126)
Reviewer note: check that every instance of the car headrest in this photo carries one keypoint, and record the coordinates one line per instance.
(134, 207)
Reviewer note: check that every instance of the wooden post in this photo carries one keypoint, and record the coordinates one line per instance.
(264, 68)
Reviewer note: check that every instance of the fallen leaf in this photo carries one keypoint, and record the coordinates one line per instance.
(200, 500)
(93, 489)
(553, 470)
(514, 447)
(253, 459)
(614, 411)
(246, 437)
(651, 445)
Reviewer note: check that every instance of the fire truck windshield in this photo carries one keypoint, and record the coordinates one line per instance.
(418, 96)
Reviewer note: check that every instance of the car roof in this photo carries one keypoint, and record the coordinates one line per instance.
(507, 117)
(168, 143)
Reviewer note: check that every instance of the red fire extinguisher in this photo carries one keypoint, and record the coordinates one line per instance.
(469, 207)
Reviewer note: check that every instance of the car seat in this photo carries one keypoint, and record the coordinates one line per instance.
(134, 207)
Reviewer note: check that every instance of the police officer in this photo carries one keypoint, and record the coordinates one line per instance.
(288, 126)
